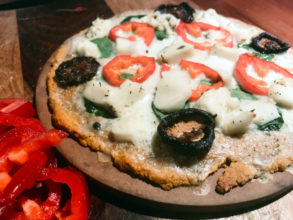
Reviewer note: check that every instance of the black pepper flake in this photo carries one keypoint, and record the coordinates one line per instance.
(97, 126)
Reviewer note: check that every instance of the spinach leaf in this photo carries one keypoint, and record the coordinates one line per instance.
(205, 82)
(97, 110)
(160, 35)
(187, 105)
(128, 18)
(245, 46)
(160, 115)
(273, 125)
(263, 56)
(126, 76)
(104, 45)
(238, 93)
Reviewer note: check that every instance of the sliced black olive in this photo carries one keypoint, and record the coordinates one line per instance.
(267, 43)
(76, 71)
(188, 131)
(182, 11)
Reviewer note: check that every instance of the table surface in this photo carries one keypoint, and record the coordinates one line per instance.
(31, 33)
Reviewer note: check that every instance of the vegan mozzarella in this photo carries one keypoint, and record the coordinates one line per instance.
(173, 90)
(170, 90)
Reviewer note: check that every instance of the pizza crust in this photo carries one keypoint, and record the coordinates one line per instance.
(160, 169)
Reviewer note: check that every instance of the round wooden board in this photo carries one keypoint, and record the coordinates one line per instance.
(178, 202)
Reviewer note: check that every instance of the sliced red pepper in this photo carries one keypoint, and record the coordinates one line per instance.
(5, 178)
(52, 160)
(48, 209)
(12, 138)
(78, 201)
(195, 69)
(8, 119)
(142, 30)
(24, 178)
(18, 107)
(196, 28)
(20, 153)
(113, 70)
(262, 68)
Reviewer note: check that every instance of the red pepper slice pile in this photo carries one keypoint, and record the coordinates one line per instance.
(262, 68)
(113, 70)
(196, 28)
(30, 182)
(142, 30)
(195, 69)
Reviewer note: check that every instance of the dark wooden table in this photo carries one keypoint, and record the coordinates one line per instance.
(31, 31)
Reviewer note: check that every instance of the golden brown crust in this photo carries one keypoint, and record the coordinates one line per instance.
(237, 173)
(67, 116)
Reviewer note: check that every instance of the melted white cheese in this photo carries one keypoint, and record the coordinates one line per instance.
(137, 124)
(173, 90)
(81, 46)
(132, 101)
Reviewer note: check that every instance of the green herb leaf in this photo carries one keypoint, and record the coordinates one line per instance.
(187, 105)
(182, 46)
(160, 115)
(104, 45)
(160, 35)
(126, 76)
(264, 56)
(97, 110)
(245, 46)
(240, 94)
(273, 125)
(128, 18)
(205, 82)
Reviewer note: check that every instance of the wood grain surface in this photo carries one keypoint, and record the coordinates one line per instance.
(29, 36)
(11, 83)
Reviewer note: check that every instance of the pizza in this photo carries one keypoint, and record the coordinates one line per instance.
(174, 94)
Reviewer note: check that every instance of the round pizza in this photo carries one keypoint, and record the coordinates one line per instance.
(174, 94)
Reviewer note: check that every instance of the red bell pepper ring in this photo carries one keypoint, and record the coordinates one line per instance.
(18, 107)
(262, 68)
(195, 69)
(142, 30)
(196, 28)
(47, 209)
(113, 70)
(24, 178)
(19, 154)
(78, 201)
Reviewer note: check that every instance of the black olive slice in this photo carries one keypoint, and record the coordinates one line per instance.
(182, 11)
(76, 71)
(267, 43)
(188, 131)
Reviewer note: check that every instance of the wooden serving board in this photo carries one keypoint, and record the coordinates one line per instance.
(181, 201)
